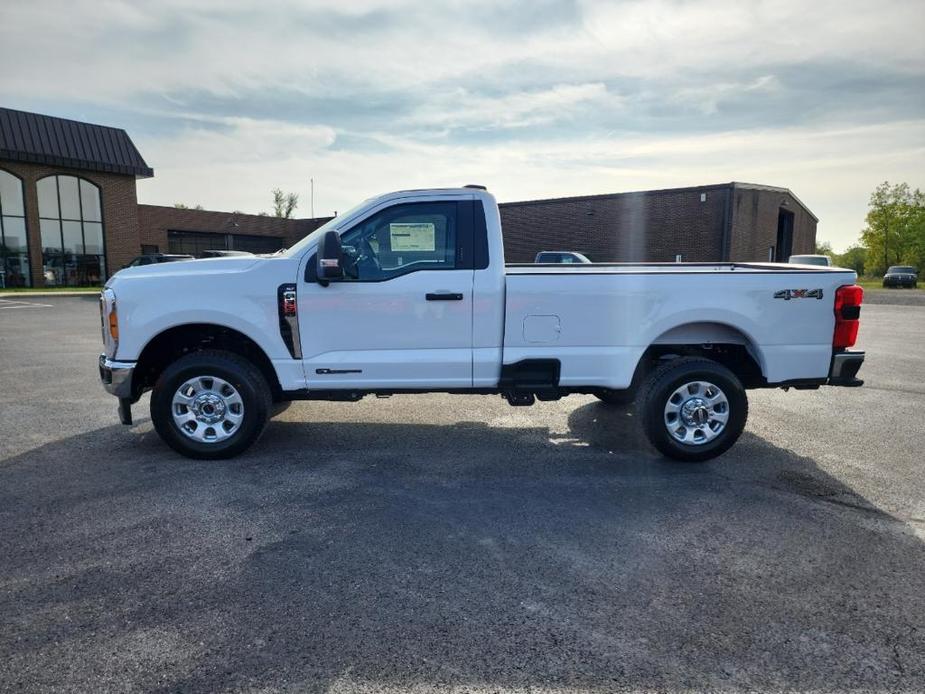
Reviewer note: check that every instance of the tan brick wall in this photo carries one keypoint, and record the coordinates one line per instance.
(629, 227)
(754, 224)
(156, 220)
(119, 206)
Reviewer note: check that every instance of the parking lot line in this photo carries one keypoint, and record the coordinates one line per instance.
(9, 304)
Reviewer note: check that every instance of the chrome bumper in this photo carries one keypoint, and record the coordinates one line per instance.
(844, 369)
(116, 376)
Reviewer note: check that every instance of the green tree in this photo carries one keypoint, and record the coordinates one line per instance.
(284, 204)
(184, 206)
(824, 248)
(895, 231)
(855, 258)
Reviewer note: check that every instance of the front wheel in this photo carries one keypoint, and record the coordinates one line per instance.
(693, 409)
(210, 404)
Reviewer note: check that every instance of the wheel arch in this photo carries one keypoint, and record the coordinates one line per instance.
(172, 343)
(724, 343)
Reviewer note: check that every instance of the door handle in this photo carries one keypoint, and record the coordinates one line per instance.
(443, 296)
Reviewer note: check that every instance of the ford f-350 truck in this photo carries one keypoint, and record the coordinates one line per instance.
(409, 293)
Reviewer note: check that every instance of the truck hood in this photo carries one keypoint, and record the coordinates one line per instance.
(185, 268)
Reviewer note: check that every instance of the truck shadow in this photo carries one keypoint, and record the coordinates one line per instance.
(346, 555)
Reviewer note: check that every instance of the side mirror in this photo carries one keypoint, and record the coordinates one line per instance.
(330, 255)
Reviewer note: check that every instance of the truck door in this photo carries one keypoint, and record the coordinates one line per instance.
(402, 315)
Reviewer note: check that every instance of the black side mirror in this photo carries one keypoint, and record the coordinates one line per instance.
(330, 256)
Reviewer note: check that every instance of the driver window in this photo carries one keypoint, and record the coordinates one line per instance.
(399, 240)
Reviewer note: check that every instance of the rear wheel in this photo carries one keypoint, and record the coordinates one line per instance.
(210, 404)
(693, 409)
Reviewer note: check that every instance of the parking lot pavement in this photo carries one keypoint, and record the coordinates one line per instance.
(455, 543)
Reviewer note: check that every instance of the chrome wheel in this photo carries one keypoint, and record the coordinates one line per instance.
(696, 413)
(207, 409)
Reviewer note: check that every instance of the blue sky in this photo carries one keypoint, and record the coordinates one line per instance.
(228, 99)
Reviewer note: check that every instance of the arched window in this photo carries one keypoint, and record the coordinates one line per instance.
(14, 247)
(71, 221)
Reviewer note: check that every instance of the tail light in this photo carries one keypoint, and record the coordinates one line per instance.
(847, 315)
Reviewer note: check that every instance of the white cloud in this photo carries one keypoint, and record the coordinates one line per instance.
(620, 96)
(832, 170)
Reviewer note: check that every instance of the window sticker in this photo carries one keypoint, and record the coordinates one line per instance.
(412, 236)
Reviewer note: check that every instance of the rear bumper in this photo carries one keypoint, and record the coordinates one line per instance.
(116, 376)
(844, 369)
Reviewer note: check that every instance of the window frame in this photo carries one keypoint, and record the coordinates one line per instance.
(60, 219)
(464, 217)
(25, 223)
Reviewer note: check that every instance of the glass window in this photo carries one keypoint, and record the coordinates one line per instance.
(69, 197)
(51, 235)
(73, 246)
(48, 197)
(11, 195)
(256, 244)
(90, 202)
(72, 237)
(195, 243)
(401, 239)
(14, 234)
(93, 238)
(14, 246)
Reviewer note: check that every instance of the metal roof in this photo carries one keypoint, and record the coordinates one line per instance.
(39, 139)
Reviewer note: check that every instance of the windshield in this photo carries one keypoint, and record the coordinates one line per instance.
(313, 237)
(901, 269)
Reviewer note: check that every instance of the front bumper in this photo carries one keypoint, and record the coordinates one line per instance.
(117, 376)
(844, 369)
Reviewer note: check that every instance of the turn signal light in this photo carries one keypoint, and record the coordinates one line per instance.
(848, 301)
(114, 324)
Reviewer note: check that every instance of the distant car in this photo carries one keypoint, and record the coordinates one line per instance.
(152, 258)
(560, 257)
(223, 254)
(901, 276)
(811, 260)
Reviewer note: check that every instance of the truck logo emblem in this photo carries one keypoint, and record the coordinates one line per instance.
(788, 294)
(328, 372)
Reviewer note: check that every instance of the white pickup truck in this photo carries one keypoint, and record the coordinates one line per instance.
(409, 293)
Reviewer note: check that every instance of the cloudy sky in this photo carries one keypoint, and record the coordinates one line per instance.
(535, 98)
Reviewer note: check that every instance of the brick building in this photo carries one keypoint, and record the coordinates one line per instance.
(69, 214)
(730, 221)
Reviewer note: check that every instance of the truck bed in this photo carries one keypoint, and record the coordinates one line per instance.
(598, 319)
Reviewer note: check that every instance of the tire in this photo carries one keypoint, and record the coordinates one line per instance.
(617, 398)
(222, 392)
(688, 405)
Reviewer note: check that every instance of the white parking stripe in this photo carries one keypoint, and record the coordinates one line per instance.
(7, 303)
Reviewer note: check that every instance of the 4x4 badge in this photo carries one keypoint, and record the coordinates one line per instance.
(788, 294)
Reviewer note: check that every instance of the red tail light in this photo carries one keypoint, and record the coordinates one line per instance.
(847, 315)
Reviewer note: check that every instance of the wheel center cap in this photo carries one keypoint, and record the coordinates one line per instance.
(695, 412)
(208, 408)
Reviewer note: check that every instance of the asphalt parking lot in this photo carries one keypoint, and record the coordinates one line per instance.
(455, 543)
